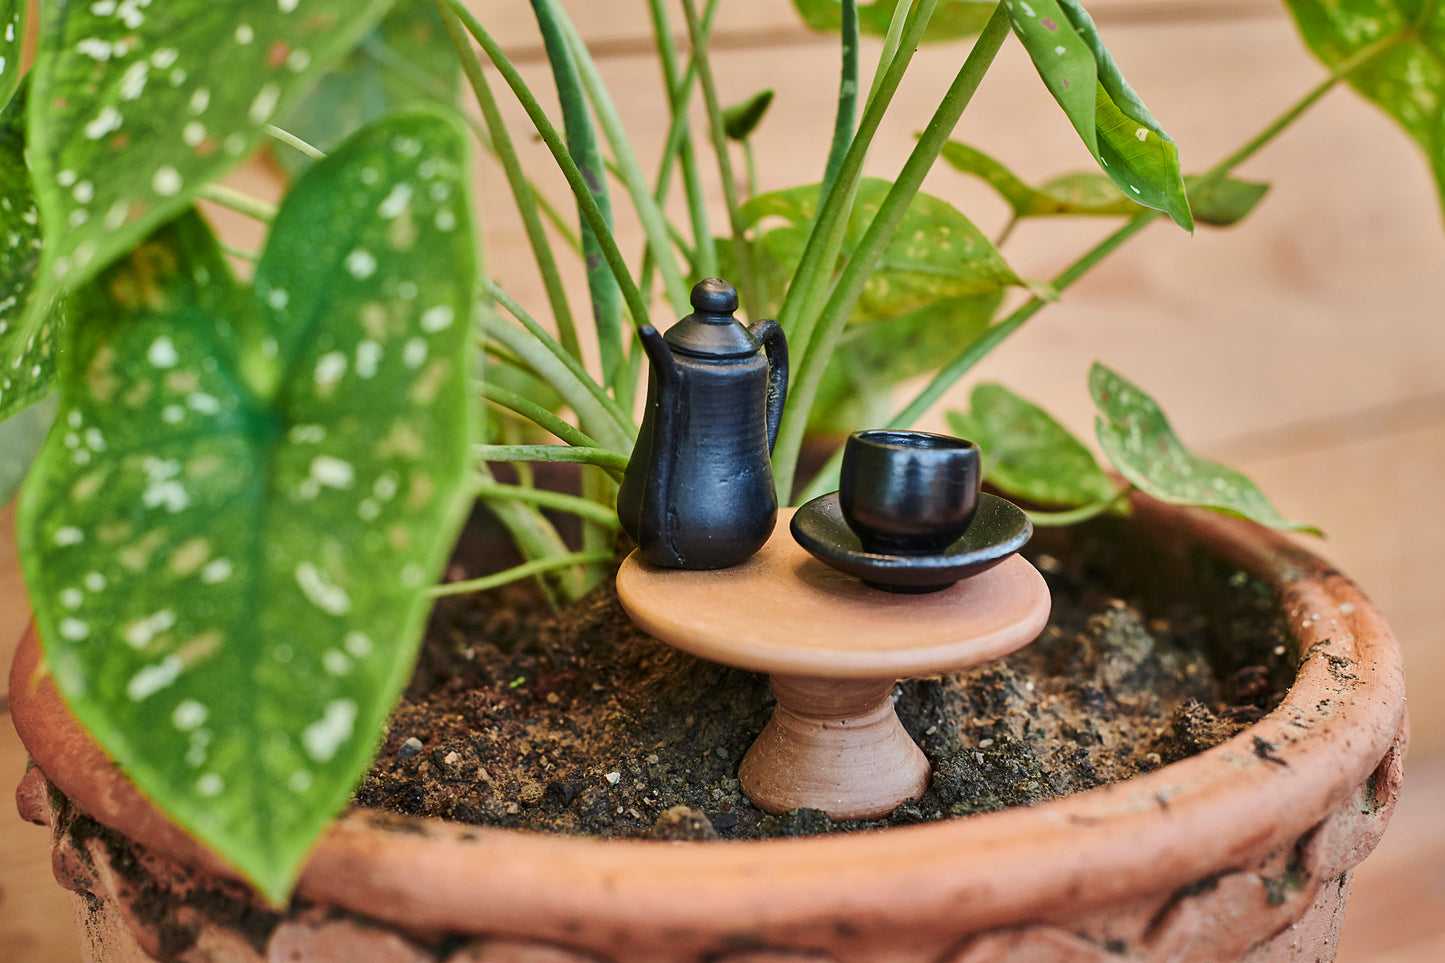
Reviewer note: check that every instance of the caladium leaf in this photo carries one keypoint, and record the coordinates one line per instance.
(951, 19)
(137, 105)
(936, 252)
(1139, 441)
(229, 534)
(13, 15)
(27, 337)
(1026, 453)
(1125, 139)
(1393, 53)
(406, 61)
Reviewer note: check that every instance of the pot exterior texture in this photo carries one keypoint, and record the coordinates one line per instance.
(1242, 852)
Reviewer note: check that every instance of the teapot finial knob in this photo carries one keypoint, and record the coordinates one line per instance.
(714, 296)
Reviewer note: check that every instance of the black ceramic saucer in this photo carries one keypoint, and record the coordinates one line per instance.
(999, 529)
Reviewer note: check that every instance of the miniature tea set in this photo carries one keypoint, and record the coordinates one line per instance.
(906, 571)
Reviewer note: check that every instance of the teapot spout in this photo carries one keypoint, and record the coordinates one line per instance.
(660, 355)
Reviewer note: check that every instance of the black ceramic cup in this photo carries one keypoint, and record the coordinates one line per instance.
(908, 492)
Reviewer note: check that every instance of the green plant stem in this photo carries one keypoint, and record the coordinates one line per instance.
(748, 290)
(583, 148)
(846, 118)
(537, 539)
(234, 200)
(239, 252)
(522, 193)
(489, 490)
(540, 566)
(538, 415)
(654, 223)
(635, 303)
(805, 295)
(874, 242)
(679, 146)
(1081, 514)
(294, 142)
(611, 461)
(535, 346)
(891, 43)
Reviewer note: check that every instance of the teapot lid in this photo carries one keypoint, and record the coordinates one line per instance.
(711, 331)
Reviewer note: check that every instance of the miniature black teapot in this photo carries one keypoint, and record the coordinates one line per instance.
(698, 492)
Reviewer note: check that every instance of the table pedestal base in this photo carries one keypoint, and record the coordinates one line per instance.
(834, 745)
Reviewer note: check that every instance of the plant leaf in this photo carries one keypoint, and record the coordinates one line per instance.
(1088, 194)
(1138, 440)
(952, 19)
(936, 253)
(1091, 195)
(405, 61)
(1028, 454)
(139, 105)
(229, 533)
(20, 440)
(27, 337)
(1126, 140)
(1406, 75)
(873, 357)
(740, 120)
(13, 16)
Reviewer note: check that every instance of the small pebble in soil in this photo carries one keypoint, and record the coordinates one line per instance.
(411, 747)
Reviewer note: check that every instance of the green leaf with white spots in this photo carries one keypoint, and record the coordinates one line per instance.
(1126, 140)
(406, 61)
(230, 531)
(1026, 453)
(1393, 53)
(952, 19)
(936, 252)
(13, 15)
(139, 104)
(27, 337)
(1139, 441)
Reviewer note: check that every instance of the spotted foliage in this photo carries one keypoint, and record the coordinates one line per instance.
(139, 103)
(1111, 120)
(13, 15)
(1402, 70)
(229, 533)
(27, 337)
(1027, 454)
(1138, 439)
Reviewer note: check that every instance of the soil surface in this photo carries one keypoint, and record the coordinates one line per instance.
(580, 723)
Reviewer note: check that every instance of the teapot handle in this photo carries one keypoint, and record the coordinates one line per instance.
(653, 521)
(770, 333)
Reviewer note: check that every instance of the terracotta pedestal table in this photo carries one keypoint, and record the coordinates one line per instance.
(834, 648)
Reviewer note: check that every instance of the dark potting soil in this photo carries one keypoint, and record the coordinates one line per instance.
(581, 723)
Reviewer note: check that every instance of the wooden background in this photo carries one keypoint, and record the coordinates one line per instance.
(1305, 347)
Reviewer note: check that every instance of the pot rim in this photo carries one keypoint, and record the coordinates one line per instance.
(1260, 789)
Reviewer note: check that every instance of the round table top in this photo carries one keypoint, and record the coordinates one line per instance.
(783, 611)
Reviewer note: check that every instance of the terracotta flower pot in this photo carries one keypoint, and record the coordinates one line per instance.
(1241, 852)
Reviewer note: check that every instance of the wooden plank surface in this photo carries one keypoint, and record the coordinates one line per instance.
(1304, 346)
